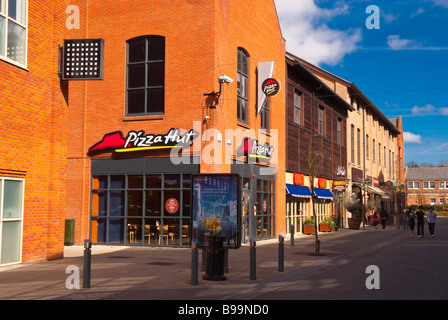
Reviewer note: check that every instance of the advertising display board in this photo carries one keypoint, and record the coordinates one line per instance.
(216, 208)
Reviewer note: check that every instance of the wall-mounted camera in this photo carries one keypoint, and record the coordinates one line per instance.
(225, 79)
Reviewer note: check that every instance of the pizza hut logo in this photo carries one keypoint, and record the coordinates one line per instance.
(270, 87)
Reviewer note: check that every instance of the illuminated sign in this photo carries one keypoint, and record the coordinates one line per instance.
(255, 152)
(140, 141)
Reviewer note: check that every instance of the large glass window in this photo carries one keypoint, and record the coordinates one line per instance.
(146, 75)
(11, 217)
(13, 25)
(265, 209)
(243, 85)
(152, 209)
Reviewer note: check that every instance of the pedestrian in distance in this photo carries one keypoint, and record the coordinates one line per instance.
(420, 222)
(431, 216)
(384, 215)
(405, 220)
(411, 222)
(375, 219)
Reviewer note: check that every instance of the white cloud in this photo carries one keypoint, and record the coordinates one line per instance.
(396, 43)
(427, 109)
(410, 137)
(308, 36)
(442, 3)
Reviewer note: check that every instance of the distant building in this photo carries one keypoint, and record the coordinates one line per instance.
(427, 185)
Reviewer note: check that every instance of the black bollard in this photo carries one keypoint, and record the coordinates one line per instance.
(194, 262)
(281, 253)
(291, 232)
(87, 263)
(253, 260)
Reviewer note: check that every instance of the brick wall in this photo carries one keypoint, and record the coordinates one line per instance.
(33, 114)
(202, 39)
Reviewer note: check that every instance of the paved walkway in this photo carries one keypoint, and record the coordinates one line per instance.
(138, 273)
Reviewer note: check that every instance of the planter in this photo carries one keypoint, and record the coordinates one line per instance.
(309, 229)
(324, 227)
(354, 223)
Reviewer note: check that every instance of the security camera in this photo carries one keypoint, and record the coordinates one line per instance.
(225, 79)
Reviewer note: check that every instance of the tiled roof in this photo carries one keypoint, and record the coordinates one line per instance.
(426, 173)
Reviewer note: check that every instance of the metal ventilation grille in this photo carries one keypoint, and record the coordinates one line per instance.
(83, 59)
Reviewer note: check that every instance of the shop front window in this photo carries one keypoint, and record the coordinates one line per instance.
(265, 209)
(141, 209)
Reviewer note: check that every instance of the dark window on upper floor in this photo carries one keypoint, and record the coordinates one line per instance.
(145, 85)
(243, 85)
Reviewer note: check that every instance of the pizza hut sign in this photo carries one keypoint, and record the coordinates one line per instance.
(270, 87)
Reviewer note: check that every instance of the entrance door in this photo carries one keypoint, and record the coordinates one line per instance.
(245, 216)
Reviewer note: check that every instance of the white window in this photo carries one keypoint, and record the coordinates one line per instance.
(11, 218)
(416, 185)
(433, 201)
(432, 185)
(442, 200)
(410, 185)
(13, 31)
(425, 185)
(441, 184)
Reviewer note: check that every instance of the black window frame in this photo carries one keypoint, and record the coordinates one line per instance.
(158, 89)
(243, 95)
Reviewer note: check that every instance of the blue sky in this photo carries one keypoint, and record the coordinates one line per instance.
(402, 66)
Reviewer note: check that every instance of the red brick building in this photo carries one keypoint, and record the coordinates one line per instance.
(162, 65)
(33, 113)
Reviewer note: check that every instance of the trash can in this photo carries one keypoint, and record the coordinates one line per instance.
(215, 259)
(69, 237)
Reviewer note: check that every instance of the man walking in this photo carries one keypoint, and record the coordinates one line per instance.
(431, 216)
(420, 222)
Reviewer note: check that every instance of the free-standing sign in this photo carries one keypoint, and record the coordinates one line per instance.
(216, 208)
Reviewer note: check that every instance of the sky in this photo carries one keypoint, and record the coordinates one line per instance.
(395, 54)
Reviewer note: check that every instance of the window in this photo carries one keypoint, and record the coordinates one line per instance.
(385, 157)
(243, 85)
(339, 131)
(265, 115)
(367, 146)
(373, 150)
(145, 75)
(149, 209)
(321, 121)
(297, 107)
(410, 185)
(425, 185)
(431, 185)
(416, 185)
(352, 136)
(359, 146)
(11, 217)
(441, 185)
(441, 200)
(433, 201)
(13, 30)
(379, 153)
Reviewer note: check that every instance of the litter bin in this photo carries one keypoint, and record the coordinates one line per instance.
(69, 237)
(215, 259)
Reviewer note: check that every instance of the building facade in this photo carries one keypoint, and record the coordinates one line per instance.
(426, 186)
(163, 80)
(33, 132)
(374, 148)
(316, 146)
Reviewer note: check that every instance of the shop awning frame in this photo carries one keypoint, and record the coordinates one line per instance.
(324, 194)
(374, 190)
(298, 191)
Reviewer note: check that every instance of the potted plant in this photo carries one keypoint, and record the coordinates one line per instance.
(308, 226)
(325, 225)
(353, 204)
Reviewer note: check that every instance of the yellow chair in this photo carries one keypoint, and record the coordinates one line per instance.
(166, 234)
(148, 233)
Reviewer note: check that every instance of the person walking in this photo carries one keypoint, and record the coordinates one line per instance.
(411, 222)
(375, 219)
(420, 222)
(384, 215)
(431, 216)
